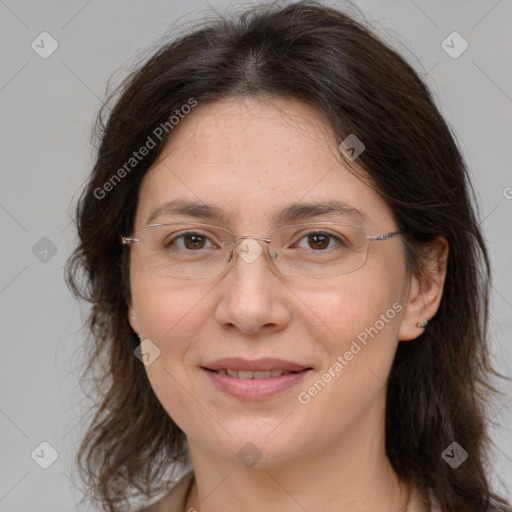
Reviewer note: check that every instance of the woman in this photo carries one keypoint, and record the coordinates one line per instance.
(288, 280)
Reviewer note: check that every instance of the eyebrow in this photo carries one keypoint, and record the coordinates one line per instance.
(291, 212)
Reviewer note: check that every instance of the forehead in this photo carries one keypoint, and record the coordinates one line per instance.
(249, 159)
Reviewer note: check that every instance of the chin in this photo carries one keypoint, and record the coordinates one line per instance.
(255, 443)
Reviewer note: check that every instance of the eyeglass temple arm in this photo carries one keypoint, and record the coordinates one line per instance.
(129, 240)
(386, 236)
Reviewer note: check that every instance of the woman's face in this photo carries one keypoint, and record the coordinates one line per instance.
(251, 159)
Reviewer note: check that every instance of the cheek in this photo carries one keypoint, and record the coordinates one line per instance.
(354, 303)
(170, 314)
(359, 355)
(167, 309)
(361, 320)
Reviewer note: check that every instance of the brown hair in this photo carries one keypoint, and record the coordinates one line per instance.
(439, 384)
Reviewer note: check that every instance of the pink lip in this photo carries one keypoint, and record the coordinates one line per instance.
(255, 389)
(257, 365)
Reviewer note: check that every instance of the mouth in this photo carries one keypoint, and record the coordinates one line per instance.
(254, 380)
(254, 366)
(246, 374)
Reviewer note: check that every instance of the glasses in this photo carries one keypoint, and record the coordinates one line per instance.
(196, 251)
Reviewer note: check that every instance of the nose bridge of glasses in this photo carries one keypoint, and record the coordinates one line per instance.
(248, 247)
(245, 237)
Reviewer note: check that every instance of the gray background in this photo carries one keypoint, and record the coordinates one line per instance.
(48, 108)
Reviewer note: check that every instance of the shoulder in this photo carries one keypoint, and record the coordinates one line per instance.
(176, 499)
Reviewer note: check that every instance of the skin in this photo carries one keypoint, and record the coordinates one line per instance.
(251, 157)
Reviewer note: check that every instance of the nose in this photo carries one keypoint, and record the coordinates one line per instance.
(252, 296)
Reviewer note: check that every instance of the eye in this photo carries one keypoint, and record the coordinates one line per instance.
(320, 240)
(191, 240)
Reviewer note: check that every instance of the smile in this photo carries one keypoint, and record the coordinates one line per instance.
(254, 385)
(245, 374)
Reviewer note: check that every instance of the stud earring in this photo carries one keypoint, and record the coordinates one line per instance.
(133, 318)
(422, 324)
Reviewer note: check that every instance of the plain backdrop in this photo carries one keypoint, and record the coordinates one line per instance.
(48, 106)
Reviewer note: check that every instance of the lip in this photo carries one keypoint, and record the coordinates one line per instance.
(256, 365)
(255, 389)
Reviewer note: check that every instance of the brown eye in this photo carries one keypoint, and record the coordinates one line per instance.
(191, 241)
(194, 241)
(318, 241)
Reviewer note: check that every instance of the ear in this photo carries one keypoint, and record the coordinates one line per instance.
(132, 318)
(425, 291)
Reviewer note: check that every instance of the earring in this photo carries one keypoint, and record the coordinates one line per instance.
(422, 324)
(133, 318)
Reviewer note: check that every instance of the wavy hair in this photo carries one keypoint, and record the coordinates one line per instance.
(440, 384)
